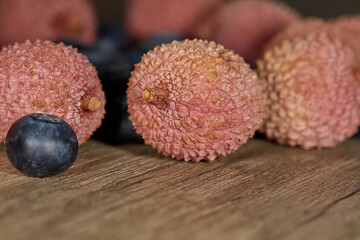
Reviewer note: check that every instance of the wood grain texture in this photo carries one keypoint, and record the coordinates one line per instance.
(262, 191)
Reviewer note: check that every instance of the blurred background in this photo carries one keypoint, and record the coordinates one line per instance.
(114, 49)
(111, 11)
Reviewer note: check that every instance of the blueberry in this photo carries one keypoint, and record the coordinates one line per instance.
(41, 145)
(110, 42)
(116, 128)
(98, 58)
(135, 54)
(111, 38)
(165, 37)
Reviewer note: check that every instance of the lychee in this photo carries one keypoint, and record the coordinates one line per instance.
(348, 29)
(246, 26)
(345, 28)
(22, 20)
(44, 77)
(311, 91)
(147, 18)
(194, 100)
(299, 28)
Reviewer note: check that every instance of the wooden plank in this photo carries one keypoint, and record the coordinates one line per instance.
(262, 191)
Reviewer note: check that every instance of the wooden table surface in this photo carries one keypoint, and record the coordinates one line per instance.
(262, 191)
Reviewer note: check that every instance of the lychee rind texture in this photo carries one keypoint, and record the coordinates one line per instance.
(348, 29)
(299, 28)
(311, 92)
(194, 100)
(246, 26)
(44, 77)
(54, 20)
(147, 18)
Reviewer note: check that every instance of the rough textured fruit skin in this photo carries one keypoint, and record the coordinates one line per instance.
(146, 18)
(299, 28)
(158, 39)
(246, 26)
(311, 92)
(194, 100)
(348, 29)
(22, 20)
(50, 78)
(41, 145)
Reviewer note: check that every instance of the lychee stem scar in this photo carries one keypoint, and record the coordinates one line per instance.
(90, 103)
(154, 95)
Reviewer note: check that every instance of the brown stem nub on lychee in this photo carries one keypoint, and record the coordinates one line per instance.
(90, 103)
(154, 95)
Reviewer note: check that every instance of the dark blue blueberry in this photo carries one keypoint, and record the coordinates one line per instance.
(134, 56)
(41, 145)
(111, 38)
(116, 128)
(110, 42)
(165, 37)
(98, 58)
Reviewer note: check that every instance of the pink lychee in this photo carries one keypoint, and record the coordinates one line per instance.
(311, 91)
(54, 20)
(194, 100)
(146, 18)
(245, 26)
(44, 77)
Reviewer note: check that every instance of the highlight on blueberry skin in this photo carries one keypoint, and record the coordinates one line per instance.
(41, 145)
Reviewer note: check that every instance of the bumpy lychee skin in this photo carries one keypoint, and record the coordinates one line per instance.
(246, 26)
(311, 92)
(299, 28)
(22, 20)
(348, 29)
(194, 100)
(50, 78)
(146, 18)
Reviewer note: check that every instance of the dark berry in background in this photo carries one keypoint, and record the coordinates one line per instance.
(146, 45)
(111, 41)
(116, 128)
(164, 37)
(112, 38)
(134, 56)
(41, 145)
